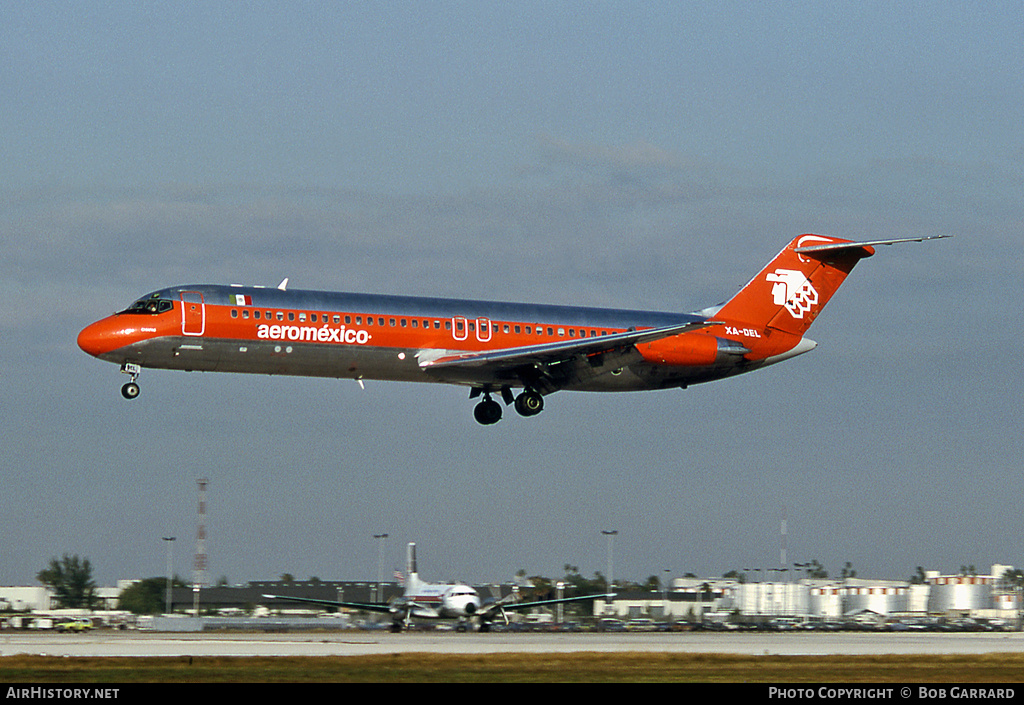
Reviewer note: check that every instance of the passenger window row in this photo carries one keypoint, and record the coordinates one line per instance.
(323, 318)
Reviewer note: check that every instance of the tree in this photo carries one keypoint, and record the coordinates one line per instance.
(1012, 579)
(816, 570)
(70, 578)
(597, 585)
(652, 584)
(147, 596)
(541, 587)
(577, 585)
(918, 577)
(848, 571)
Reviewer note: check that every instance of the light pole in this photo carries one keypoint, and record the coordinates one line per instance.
(802, 604)
(745, 588)
(611, 584)
(664, 597)
(380, 564)
(784, 579)
(757, 592)
(773, 600)
(170, 563)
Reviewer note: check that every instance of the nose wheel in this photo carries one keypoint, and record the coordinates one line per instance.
(130, 390)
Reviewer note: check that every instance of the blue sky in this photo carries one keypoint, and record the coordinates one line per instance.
(642, 155)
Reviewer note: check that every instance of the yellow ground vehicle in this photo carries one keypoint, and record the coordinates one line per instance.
(73, 625)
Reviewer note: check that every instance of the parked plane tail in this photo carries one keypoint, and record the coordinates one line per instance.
(412, 576)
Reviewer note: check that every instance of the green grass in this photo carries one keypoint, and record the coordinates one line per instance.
(517, 668)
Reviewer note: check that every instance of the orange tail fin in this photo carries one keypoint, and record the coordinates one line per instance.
(789, 293)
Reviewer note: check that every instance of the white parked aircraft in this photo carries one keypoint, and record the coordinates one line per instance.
(438, 601)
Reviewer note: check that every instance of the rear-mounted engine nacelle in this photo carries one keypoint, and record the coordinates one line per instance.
(691, 350)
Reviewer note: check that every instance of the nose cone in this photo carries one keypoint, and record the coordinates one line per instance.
(102, 337)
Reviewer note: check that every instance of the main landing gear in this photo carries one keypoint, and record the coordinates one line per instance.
(130, 390)
(488, 411)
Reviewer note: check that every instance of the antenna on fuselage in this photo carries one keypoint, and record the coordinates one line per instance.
(283, 286)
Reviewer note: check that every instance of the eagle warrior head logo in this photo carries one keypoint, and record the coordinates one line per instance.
(793, 290)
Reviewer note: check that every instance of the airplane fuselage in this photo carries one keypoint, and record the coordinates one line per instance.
(442, 601)
(215, 328)
(491, 347)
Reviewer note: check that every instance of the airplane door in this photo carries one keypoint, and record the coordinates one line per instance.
(460, 331)
(483, 330)
(193, 313)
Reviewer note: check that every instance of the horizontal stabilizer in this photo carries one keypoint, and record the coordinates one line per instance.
(837, 246)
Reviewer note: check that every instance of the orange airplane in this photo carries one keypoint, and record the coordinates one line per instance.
(490, 347)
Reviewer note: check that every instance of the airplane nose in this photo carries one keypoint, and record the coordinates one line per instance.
(100, 337)
(91, 339)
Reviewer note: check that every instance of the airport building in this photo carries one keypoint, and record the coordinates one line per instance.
(845, 599)
(689, 599)
(971, 593)
(25, 599)
(855, 596)
(684, 600)
(41, 599)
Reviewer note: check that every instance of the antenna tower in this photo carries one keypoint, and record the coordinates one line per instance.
(199, 576)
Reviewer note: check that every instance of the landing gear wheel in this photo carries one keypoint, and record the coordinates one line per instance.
(131, 390)
(529, 404)
(487, 412)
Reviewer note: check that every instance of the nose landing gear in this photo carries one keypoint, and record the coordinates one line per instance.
(130, 390)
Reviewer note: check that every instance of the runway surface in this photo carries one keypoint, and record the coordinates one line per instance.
(369, 643)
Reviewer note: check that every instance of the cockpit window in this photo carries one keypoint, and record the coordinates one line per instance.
(152, 305)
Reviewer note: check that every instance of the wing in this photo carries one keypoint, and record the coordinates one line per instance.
(368, 606)
(509, 603)
(537, 365)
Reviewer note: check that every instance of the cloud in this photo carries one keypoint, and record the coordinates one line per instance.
(611, 224)
(631, 158)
